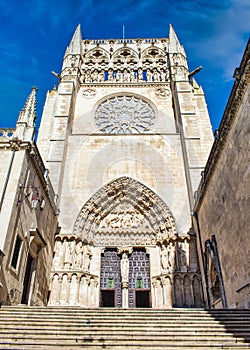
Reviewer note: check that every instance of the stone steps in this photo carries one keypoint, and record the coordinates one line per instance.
(77, 328)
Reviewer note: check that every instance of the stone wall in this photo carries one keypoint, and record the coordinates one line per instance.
(28, 216)
(224, 200)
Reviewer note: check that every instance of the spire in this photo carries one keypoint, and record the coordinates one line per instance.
(28, 113)
(174, 43)
(75, 46)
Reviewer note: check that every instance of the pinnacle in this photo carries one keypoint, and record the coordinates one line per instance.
(28, 113)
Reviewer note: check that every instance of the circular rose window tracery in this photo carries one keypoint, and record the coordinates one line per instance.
(124, 115)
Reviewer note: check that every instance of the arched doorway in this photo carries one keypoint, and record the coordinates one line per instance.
(125, 222)
(124, 251)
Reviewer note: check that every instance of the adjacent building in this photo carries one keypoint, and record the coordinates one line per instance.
(221, 212)
(28, 214)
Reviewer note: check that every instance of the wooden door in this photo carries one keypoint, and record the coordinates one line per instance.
(139, 279)
(110, 282)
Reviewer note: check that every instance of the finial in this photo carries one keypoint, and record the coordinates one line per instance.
(28, 113)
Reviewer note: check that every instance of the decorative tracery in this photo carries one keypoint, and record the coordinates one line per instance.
(124, 115)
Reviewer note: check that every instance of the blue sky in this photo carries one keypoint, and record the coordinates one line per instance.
(34, 35)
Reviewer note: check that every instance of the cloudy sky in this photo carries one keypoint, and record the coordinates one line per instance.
(34, 35)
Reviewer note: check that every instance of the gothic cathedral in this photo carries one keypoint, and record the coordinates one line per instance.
(124, 138)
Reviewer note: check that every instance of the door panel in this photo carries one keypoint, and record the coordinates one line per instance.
(139, 279)
(110, 282)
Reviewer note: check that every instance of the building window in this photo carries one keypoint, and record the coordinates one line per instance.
(139, 282)
(124, 115)
(16, 252)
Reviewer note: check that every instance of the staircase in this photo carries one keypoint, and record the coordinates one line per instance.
(108, 328)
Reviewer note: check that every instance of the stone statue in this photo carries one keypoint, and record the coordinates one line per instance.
(95, 76)
(110, 74)
(126, 76)
(171, 257)
(73, 61)
(140, 74)
(101, 76)
(149, 75)
(88, 76)
(156, 75)
(176, 59)
(164, 258)
(57, 261)
(68, 254)
(124, 267)
(182, 257)
(78, 254)
(82, 78)
(119, 76)
(87, 254)
(132, 76)
(162, 75)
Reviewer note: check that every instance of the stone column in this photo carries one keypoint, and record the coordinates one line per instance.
(167, 293)
(77, 290)
(53, 299)
(64, 290)
(83, 292)
(159, 293)
(124, 294)
(91, 293)
(73, 290)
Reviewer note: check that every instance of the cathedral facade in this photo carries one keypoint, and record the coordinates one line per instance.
(123, 138)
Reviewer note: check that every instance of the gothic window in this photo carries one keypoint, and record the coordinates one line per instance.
(124, 115)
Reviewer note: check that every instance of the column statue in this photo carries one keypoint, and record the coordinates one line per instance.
(87, 254)
(124, 267)
(78, 254)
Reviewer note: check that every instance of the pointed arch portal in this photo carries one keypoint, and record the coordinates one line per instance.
(125, 212)
(125, 252)
(123, 218)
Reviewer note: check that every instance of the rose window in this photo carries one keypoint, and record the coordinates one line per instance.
(124, 115)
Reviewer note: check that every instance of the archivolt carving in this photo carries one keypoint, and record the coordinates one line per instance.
(125, 212)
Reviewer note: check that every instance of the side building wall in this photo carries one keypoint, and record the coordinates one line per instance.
(221, 216)
(28, 224)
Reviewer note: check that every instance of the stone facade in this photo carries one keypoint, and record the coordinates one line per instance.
(125, 137)
(123, 140)
(27, 215)
(221, 214)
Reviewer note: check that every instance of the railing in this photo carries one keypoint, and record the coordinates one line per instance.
(121, 41)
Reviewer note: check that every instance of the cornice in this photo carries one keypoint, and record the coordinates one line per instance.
(242, 80)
